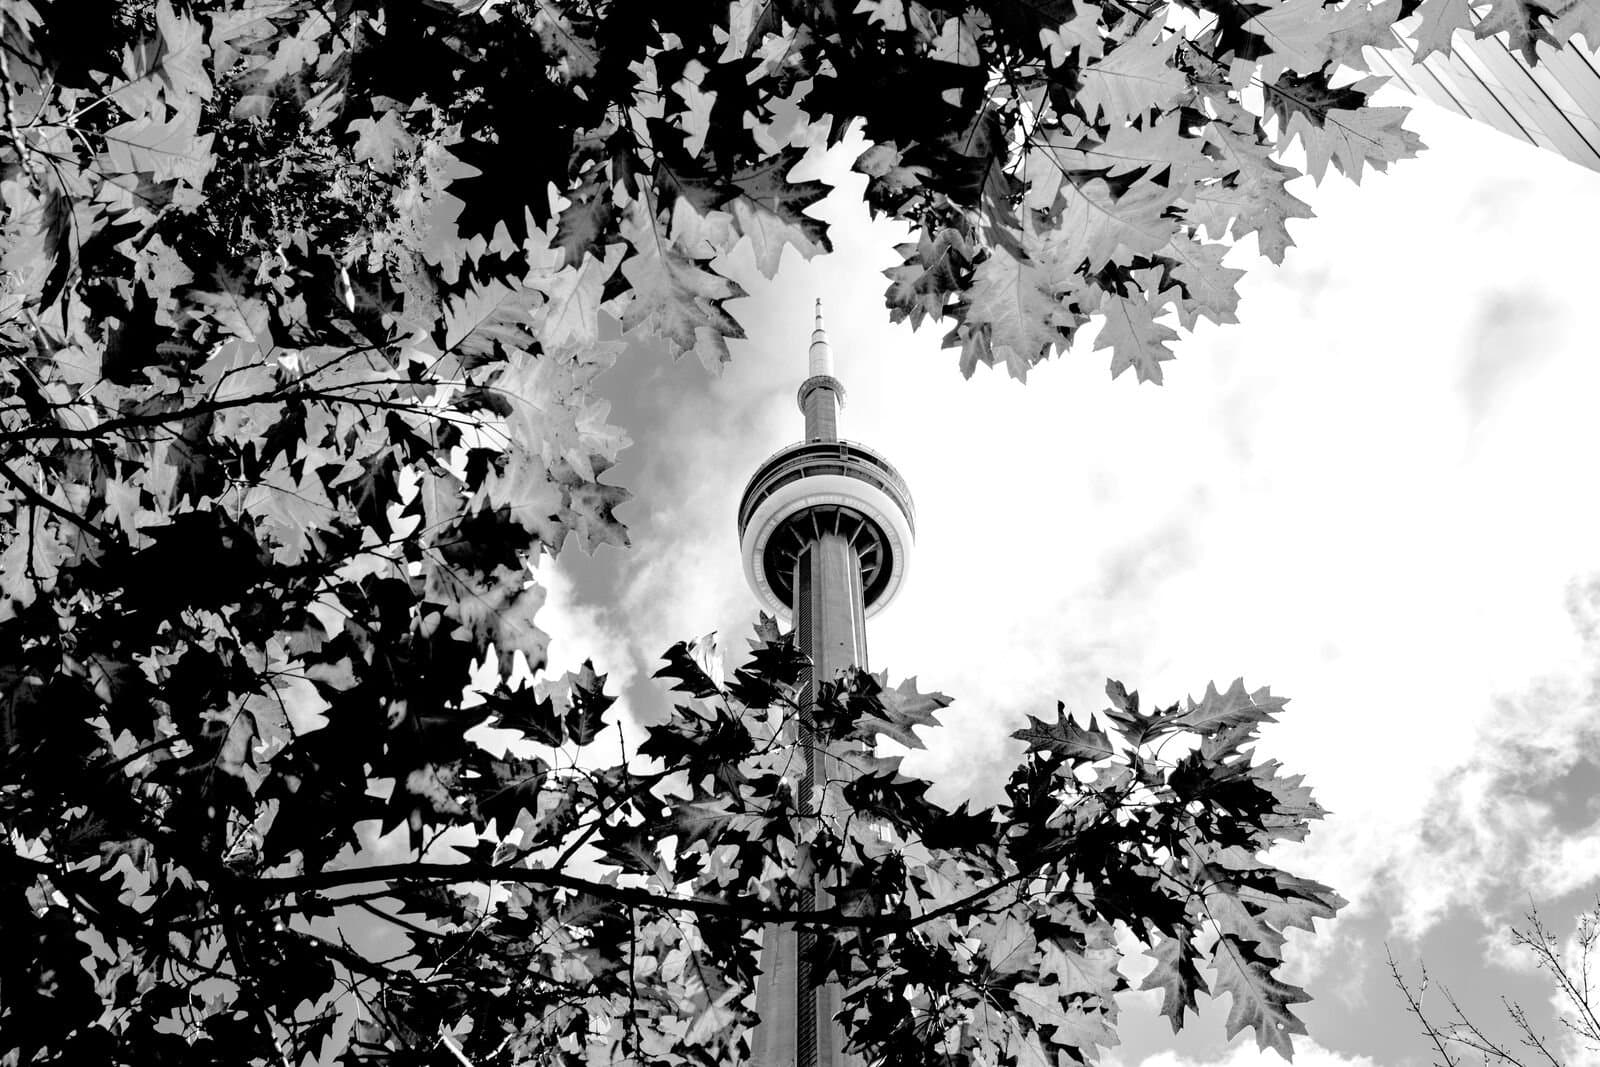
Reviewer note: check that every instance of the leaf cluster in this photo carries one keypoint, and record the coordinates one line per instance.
(218, 894)
(302, 303)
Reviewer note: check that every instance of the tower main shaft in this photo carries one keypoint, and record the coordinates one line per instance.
(825, 528)
(797, 1027)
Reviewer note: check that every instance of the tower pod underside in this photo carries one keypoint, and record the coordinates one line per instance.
(826, 487)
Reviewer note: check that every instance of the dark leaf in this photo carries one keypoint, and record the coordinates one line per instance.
(1065, 738)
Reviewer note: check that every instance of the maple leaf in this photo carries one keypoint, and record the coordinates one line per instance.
(892, 181)
(771, 211)
(775, 667)
(1305, 35)
(1519, 21)
(554, 413)
(1097, 226)
(531, 715)
(1078, 1030)
(169, 65)
(1136, 340)
(1259, 999)
(584, 223)
(1080, 33)
(702, 233)
(1160, 147)
(1574, 20)
(30, 563)
(1092, 971)
(527, 491)
(1208, 286)
(170, 150)
(285, 710)
(1065, 738)
(695, 113)
(1272, 897)
(242, 315)
(929, 277)
(1134, 77)
(498, 607)
(1176, 976)
(1440, 19)
(1372, 136)
(1254, 198)
(291, 508)
(577, 55)
(35, 254)
(768, 232)
(490, 314)
(587, 703)
(691, 664)
(1246, 922)
(899, 709)
(672, 298)
(575, 295)
(1293, 808)
(1217, 712)
(382, 141)
(589, 511)
(1008, 946)
(1013, 316)
(1136, 726)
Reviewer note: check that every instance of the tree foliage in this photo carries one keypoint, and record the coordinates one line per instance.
(301, 310)
(193, 896)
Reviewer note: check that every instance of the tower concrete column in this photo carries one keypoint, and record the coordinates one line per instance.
(830, 627)
(825, 528)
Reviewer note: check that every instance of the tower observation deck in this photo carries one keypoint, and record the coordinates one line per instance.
(825, 531)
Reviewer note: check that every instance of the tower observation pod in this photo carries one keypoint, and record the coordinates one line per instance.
(825, 530)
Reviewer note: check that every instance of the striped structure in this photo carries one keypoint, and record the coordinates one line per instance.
(1555, 105)
(825, 528)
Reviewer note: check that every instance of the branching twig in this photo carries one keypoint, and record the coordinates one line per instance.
(1414, 1006)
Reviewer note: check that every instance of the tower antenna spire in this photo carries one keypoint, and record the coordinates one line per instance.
(821, 351)
(821, 395)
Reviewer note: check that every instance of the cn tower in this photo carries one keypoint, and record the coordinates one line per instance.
(825, 529)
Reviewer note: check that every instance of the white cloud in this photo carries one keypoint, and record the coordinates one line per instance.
(578, 632)
(1490, 837)
(1500, 949)
(1307, 1053)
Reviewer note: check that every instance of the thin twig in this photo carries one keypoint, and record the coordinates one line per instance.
(1414, 1006)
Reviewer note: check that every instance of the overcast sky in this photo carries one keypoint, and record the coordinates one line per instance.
(1375, 494)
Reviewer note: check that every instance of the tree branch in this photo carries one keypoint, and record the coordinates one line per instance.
(630, 895)
(33, 496)
(1414, 1006)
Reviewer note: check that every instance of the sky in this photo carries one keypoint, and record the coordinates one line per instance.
(1373, 494)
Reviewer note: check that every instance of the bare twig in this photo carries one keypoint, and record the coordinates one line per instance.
(1414, 1006)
